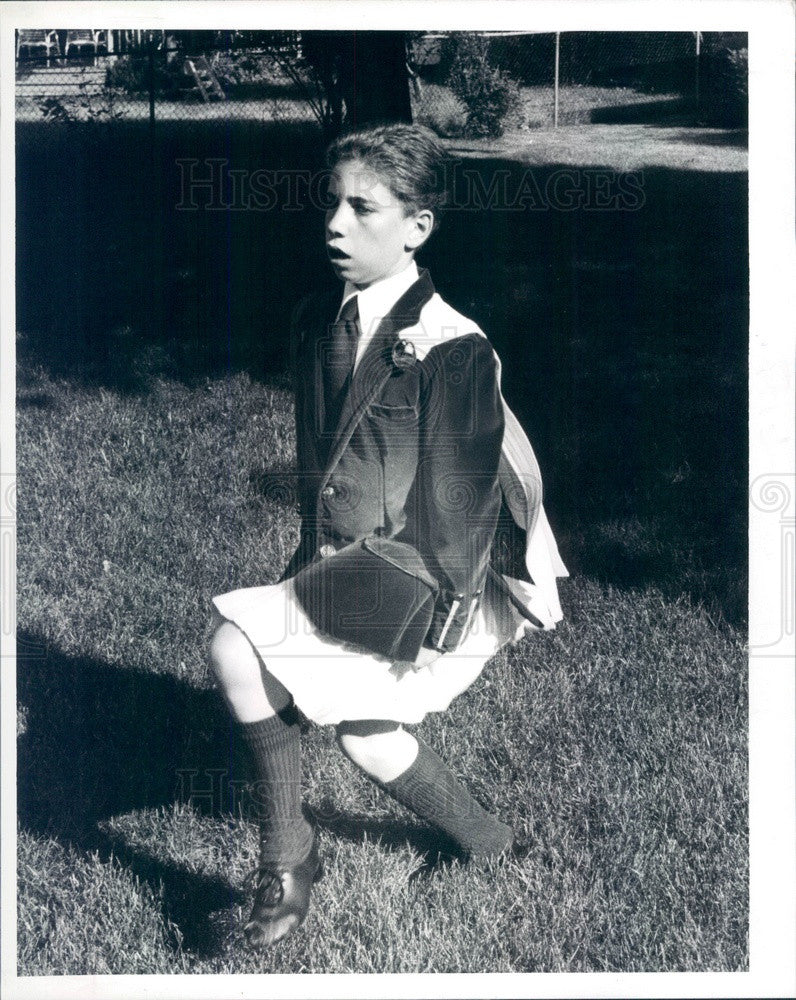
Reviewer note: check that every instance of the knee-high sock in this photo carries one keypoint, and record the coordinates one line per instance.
(275, 745)
(429, 789)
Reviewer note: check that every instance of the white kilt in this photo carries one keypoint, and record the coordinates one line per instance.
(331, 682)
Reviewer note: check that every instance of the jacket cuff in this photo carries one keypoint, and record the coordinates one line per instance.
(451, 621)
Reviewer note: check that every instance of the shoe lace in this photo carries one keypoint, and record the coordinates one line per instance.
(268, 886)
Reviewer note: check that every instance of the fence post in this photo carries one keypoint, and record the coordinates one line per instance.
(698, 47)
(151, 82)
(555, 85)
(155, 243)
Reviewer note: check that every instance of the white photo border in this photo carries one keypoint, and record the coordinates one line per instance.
(770, 26)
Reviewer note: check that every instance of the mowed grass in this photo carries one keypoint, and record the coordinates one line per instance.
(616, 743)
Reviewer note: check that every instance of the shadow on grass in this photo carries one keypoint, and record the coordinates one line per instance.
(130, 264)
(672, 112)
(622, 328)
(127, 264)
(738, 137)
(100, 742)
(666, 111)
(436, 850)
(188, 897)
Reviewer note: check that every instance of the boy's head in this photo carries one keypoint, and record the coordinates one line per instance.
(387, 188)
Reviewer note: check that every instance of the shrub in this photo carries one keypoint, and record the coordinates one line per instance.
(725, 76)
(87, 106)
(241, 68)
(131, 74)
(441, 111)
(488, 94)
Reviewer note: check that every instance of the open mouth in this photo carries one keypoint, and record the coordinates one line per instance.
(335, 253)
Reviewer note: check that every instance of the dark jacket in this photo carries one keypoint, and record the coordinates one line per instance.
(415, 453)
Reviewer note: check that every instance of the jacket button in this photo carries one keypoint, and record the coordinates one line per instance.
(327, 492)
(326, 550)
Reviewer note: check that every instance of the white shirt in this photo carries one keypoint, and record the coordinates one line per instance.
(376, 301)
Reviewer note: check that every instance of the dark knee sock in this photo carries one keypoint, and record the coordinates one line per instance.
(429, 788)
(275, 745)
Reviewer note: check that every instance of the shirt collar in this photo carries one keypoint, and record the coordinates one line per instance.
(377, 300)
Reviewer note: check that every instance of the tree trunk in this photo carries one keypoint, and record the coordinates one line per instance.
(375, 80)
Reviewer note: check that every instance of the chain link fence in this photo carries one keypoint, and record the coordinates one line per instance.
(558, 79)
(578, 78)
(157, 79)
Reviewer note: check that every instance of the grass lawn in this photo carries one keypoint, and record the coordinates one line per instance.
(153, 426)
(630, 147)
(617, 743)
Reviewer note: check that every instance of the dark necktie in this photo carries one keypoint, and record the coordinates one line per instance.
(338, 361)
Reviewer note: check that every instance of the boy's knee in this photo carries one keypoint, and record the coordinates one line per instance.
(382, 749)
(230, 651)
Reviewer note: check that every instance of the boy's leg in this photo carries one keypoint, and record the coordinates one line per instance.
(270, 728)
(409, 770)
(275, 746)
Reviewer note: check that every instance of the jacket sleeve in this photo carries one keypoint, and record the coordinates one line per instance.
(454, 512)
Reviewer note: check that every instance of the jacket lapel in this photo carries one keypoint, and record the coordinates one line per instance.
(376, 365)
(315, 400)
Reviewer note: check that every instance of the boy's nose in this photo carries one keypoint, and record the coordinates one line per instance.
(333, 225)
(335, 221)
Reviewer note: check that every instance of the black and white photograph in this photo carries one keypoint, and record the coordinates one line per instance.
(381, 472)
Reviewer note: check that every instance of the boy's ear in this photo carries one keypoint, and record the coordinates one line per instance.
(421, 229)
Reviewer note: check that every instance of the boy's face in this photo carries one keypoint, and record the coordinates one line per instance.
(368, 236)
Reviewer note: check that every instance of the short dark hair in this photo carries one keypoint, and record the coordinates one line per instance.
(409, 159)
